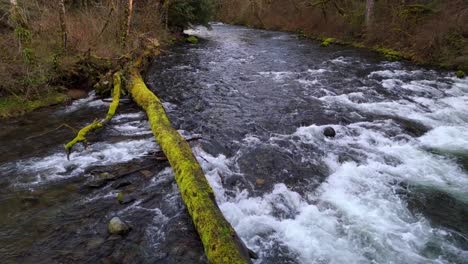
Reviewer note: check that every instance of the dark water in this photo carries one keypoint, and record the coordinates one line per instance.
(391, 187)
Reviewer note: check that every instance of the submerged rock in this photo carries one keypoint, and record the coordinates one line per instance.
(118, 185)
(96, 183)
(117, 227)
(329, 132)
(260, 181)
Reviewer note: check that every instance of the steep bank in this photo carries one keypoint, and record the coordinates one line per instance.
(429, 32)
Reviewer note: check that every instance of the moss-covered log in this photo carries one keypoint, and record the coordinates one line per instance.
(81, 135)
(221, 243)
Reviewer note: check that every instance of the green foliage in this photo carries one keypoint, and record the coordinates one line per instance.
(415, 11)
(28, 55)
(326, 42)
(34, 80)
(460, 74)
(22, 34)
(14, 106)
(391, 55)
(184, 13)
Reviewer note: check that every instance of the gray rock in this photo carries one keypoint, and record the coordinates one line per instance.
(117, 185)
(117, 227)
(126, 199)
(96, 183)
(329, 132)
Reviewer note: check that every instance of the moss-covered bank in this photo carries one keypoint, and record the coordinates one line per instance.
(13, 106)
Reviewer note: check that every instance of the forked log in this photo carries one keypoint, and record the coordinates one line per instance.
(221, 242)
(81, 135)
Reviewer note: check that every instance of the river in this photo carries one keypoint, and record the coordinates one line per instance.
(391, 187)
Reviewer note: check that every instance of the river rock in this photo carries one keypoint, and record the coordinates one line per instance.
(329, 132)
(117, 227)
(96, 183)
(126, 199)
(118, 185)
(260, 182)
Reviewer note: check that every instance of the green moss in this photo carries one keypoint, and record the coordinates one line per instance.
(192, 39)
(327, 41)
(120, 196)
(460, 74)
(390, 54)
(15, 106)
(357, 45)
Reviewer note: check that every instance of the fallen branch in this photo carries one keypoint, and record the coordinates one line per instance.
(222, 244)
(81, 135)
(52, 130)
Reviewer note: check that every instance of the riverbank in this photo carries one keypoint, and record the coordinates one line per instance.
(45, 58)
(430, 33)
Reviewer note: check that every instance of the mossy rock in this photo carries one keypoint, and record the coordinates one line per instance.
(390, 54)
(460, 74)
(326, 42)
(192, 39)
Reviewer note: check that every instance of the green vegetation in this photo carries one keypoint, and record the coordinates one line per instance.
(192, 39)
(327, 41)
(390, 54)
(184, 13)
(13, 106)
(460, 74)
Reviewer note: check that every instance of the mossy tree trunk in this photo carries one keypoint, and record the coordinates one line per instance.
(221, 243)
(97, 124)
(126, 20)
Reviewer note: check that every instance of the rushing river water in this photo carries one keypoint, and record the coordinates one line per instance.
(391, 187)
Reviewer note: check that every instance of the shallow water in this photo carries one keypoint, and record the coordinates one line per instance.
(391, 187)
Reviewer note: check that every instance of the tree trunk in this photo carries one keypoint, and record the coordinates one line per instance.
(18, 21)
(221, 242)
(369, 12)
(130, 14)
(63, 24)
(126, 20)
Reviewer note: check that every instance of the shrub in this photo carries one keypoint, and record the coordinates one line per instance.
(184, 13)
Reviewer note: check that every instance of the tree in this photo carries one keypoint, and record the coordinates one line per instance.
(63, 24)
(185, 13)
(126, 22)
(369, 12)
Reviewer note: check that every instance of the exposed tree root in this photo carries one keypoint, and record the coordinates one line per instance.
(221, 243)
(81, 135)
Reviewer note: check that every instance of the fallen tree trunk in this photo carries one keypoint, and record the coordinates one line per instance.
(81, 135)
(222, 244)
